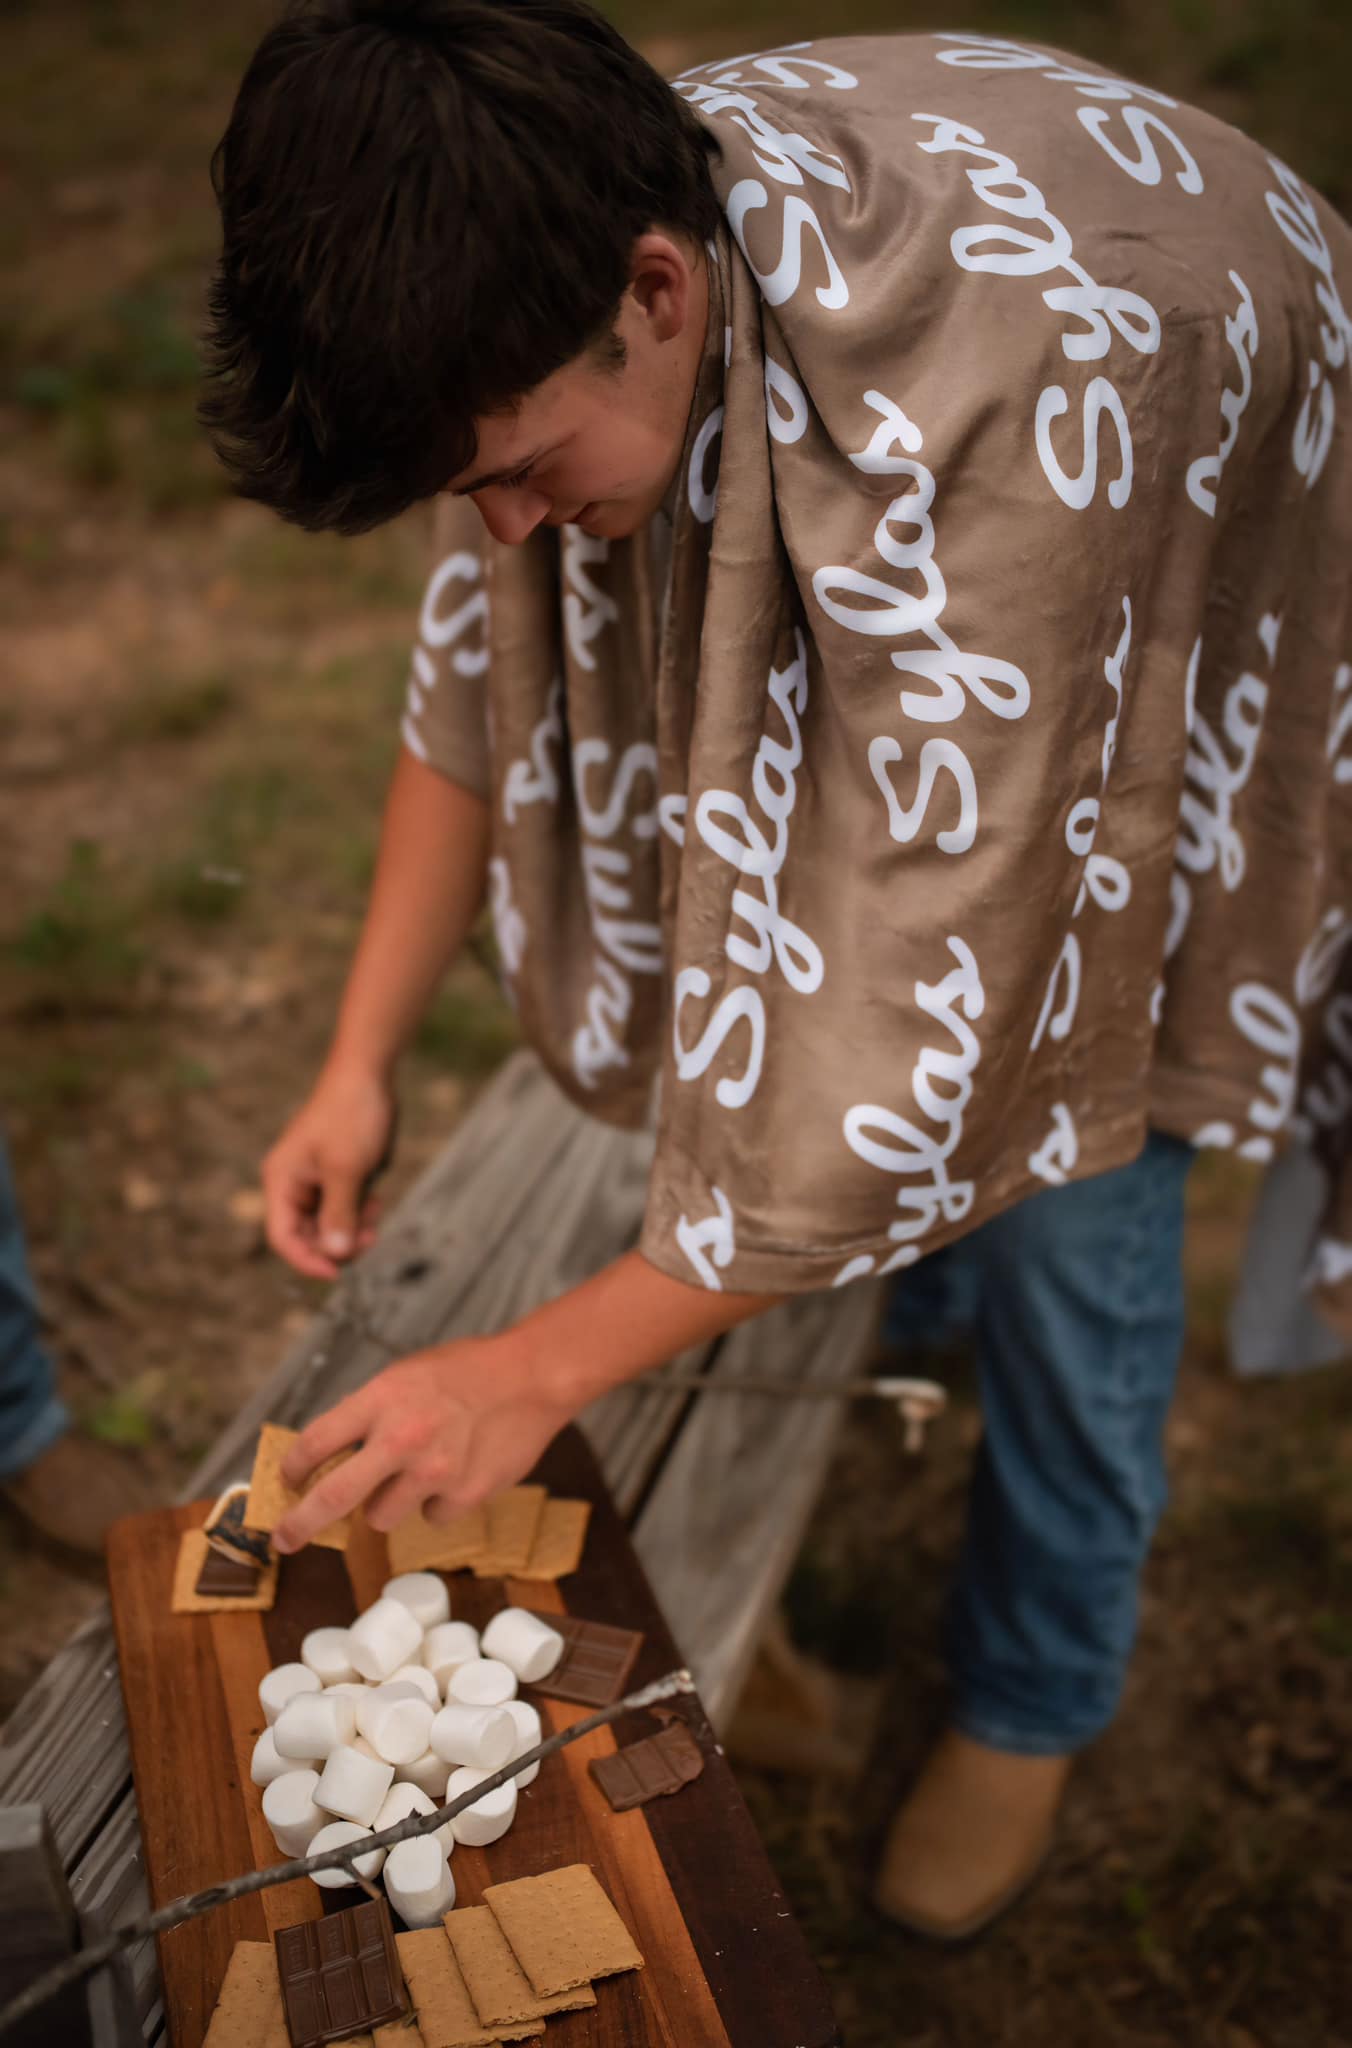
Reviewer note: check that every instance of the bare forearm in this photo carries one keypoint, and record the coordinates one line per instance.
(427, 892)
(621, 1323)
(461, 1421)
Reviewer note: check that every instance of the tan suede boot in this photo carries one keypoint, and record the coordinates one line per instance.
(970, 1839)
(75, 1491)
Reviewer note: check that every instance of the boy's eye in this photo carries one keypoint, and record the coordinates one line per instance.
(512, 483)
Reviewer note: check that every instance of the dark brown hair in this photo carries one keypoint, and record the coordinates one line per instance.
(427, 207)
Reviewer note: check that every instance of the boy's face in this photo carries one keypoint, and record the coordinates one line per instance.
(597, 445)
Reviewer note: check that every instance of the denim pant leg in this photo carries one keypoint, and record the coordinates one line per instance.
(32, 1416)
(1080, 1328)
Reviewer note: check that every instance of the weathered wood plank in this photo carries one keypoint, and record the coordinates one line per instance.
(65, 1744)
(38, 1927)
(109, 1887)
(720, 1530)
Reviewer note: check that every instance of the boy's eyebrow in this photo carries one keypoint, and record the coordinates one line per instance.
(481, 483)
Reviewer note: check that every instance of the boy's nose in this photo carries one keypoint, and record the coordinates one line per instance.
(511, 516)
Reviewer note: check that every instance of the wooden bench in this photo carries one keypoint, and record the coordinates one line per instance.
(527, 1198)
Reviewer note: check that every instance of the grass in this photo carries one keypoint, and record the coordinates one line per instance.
(468, 1030)
(175, 708)
(78, 947)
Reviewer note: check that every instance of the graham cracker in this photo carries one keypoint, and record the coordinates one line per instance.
(405, 2033)
(559, 1540)
(563, 1929)
(513, 1521)
(419, 1546)
(269, 1496)
(249, 2012)
(441, 1999)
(496, 1981)
(193, 1550)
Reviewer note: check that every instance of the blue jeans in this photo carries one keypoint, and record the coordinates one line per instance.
(32, 1416)
(1077, 1294)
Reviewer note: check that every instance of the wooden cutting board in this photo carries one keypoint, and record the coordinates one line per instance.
(727, 1966)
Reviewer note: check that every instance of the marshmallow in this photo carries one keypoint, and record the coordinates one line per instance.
(369, 1707)
(383, 1638)
(335, 1836)
(447, 1647)
(363, 1748)
(324, 1650)
(490, 1817)
(399, 1729)
(355, 1688)
(419, 1675)
(483, 1683)
(292, 1812)
(529, 1735)
(402, 1800)
(313, 1724)
(427, 1772)
(418, 1882)
(265, 1764)
(481, 1736)
(424, 1595)
(278, 1686)
(528, 1647)
(352, 1785)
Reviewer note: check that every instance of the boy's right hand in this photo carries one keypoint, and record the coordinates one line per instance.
(316, 1177)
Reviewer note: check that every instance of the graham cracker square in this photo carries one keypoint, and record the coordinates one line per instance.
(559, 1540)
(248, 2012)
(419, 1546)
(270, 1498)
(563, 1929)
(513, 1521)
(441, 1999)
(495, 1980)
(193, 1550)
(405, 2033)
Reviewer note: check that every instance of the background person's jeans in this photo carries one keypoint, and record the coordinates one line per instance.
(32, 1416)
(1077, 1298)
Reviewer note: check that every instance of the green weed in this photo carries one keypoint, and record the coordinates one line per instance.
(121, 1419)
(176, 708)
(79, 944)
(467, 1033)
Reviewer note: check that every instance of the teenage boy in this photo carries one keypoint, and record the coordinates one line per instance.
(886, 668)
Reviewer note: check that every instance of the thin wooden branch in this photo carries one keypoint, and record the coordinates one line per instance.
(917, 1400)
(190, 1907)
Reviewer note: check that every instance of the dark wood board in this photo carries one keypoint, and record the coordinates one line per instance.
(727, 1966)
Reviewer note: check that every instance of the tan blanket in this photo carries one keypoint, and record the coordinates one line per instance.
(985, 795)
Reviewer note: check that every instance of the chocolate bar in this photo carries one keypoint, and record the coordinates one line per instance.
(225, 1531)
(596, 1660)
(658, 1765)
(227, 1577)
(340, 1975)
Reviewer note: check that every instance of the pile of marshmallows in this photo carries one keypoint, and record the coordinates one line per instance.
(362, 1731)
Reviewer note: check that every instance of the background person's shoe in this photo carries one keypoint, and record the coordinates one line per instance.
(970, 1838)
(75, 1491)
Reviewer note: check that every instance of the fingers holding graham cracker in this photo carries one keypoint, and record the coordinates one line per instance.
(270, 1498)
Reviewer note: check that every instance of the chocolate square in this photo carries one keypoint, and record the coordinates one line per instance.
(659, 1765)
(596, 1660)
(227, 1577)
(340, 1975)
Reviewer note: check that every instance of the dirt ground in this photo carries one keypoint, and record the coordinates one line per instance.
(198, 711)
